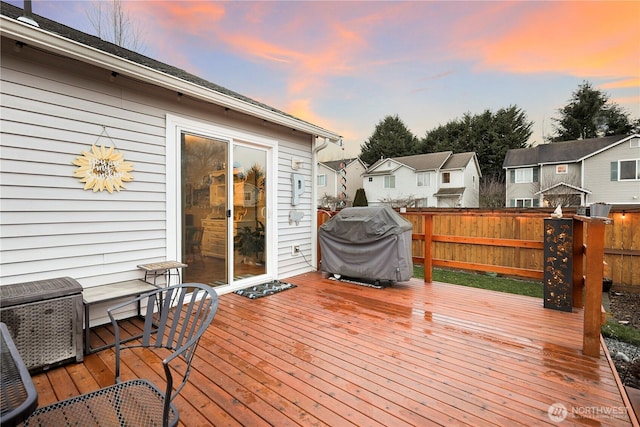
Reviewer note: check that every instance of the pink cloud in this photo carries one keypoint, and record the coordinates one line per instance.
(311, 43)
(622, 84)
(171, 27)
(584, 39)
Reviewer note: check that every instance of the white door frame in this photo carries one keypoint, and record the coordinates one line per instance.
(175, 125)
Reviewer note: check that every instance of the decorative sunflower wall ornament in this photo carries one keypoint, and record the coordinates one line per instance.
(103, 168)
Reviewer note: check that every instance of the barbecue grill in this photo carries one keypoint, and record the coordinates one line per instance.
(370, 243)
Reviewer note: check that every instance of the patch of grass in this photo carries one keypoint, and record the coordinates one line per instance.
(484, 281)
(613, 329)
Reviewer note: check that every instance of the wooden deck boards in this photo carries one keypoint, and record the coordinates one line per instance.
(337, 354)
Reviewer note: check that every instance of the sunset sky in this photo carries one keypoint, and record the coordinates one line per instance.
(346, 65)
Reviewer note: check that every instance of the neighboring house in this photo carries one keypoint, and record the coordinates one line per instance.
(440, 179)
(339, 179)
(200, 157)
(574, 173)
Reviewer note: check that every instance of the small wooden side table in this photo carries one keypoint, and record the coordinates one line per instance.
(165, 269)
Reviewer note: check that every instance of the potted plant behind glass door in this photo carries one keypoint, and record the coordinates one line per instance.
(250, 243)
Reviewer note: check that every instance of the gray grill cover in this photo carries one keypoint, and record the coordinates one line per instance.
(372, 243)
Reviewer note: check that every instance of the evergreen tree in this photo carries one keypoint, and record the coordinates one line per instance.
(361, 198)
(590, 114)
(490, 135)
(391, 138)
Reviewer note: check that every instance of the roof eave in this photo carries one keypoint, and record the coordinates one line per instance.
(528, 165)
(613, 144)
(42, 39)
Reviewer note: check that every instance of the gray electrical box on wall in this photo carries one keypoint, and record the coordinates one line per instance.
(297, 188)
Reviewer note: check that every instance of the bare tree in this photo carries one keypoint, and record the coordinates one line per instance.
(401, 202)
(333, 203)
(492, 193)
(112, 23)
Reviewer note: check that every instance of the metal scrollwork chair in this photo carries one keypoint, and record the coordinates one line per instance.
(175, 319)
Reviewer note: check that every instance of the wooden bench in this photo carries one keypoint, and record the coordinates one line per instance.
(110, 292)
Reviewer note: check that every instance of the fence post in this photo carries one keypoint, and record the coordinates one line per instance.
(593, 286)
(427, 228)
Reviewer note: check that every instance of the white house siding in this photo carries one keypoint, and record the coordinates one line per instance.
(353, 175)
(50, 226)
(425, 194)
(354, 172)
(598, 176)
(52, 110)
(456, 179)
(330, 189)
(405, 186)
(471, 196)
(302, 234)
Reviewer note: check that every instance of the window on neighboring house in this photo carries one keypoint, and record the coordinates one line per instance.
(423, 179)
(390, 181)
(322, 180)
(523, 175)
(625, 170)
(629, 170)
(562, 169)
(524, 203)
(422, 203)
(446, 177)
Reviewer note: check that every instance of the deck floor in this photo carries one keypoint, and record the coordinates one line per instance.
(337, 354)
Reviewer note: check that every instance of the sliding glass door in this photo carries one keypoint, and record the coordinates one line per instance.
(224, 211)
(249, 207)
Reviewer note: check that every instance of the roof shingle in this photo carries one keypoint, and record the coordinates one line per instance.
(566, 151)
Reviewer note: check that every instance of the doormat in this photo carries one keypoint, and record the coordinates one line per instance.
(375, 284)
(265, 289)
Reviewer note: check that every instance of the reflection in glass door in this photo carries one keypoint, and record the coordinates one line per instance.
(204, 207)
(249, 211)
(210, 210)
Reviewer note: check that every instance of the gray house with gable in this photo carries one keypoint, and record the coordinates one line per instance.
(574, 173)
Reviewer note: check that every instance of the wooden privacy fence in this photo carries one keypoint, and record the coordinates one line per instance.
(499, 242)
(510, 241)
